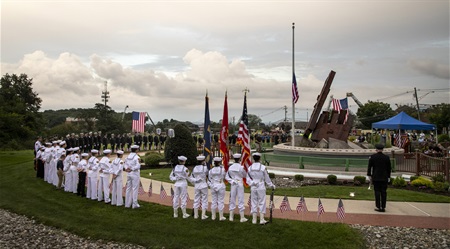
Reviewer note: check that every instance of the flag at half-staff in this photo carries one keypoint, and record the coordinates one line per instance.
(224, 136)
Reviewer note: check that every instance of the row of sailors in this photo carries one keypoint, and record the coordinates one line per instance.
(202, 178)
(56, 165)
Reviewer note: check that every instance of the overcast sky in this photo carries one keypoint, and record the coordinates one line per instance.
(163, 56)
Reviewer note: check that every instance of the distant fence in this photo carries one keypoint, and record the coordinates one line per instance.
(423, 164)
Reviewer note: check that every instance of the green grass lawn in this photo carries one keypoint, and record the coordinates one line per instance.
(327, 191)
(152, 225)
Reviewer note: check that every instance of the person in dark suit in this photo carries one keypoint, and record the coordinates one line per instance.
(379, 172)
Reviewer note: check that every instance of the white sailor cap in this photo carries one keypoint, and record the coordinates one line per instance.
(94, 151)
(84, 154)
(217, 159)
(76, 149)
(119, 152)
(108, 151)
(257, 154)
(200, 158)
(182, 158)
(62, 143)
(58, 141)
(237, 155)
(54, 142)
(135, 146)
(69, 149)
(48, 143)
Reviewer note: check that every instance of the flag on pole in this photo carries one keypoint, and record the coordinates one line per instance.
(340, 213)
(138, 123)
(207, 134)
(320, 209)
(341, 104)
(301, 206)
(224, 136)
(295, 95)
(171, 192)
(162, 193)
(150, 189)
(244, 137)
(141, 190)
(285, 206)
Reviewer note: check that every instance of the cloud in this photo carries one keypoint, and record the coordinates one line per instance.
(430, 67)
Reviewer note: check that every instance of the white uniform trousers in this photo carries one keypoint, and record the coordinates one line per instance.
(92, 187)
(46, 168)
(217, 199)
(103, 188)
(68, 181)
(201, 198)
(74, 171)
(258, 200)
(117, 198)
(180, 192)
(131, 196)
(55, 177)
(237, 190)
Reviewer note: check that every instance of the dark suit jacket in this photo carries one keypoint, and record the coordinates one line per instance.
(379, 167)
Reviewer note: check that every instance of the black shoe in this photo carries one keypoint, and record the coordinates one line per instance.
(379, 210)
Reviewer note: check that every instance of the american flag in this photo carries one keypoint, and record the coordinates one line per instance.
(294, 89)
(110, 186)
(400, 140)
(141, 190)
(162, 193)
(244, 138)
(138, 124)
(150, 189)
(124, 188)
(249, 202)
(320, 209)
(187, 198)
(285, 206)
(340, 210)
(301, 206)
(171, 192)
(341, 104)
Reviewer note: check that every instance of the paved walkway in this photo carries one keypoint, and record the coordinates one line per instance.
(399, 214)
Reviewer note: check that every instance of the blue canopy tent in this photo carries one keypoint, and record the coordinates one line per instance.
(403, 121)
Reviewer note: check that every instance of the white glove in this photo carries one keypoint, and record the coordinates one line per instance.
(273, 187)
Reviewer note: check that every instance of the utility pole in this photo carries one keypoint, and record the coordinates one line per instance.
(105, 94)
(285, 113)
(417, 102)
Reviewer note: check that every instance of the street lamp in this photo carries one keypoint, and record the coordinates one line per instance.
(125, 110)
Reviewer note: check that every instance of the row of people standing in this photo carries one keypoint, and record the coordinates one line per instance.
(202, 178)
(83, 174)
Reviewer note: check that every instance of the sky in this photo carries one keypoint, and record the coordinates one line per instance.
(162, 57)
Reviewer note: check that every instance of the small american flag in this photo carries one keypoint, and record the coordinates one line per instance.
(162, 193)
(340, 210)
(171, 192)
(141, 190)
(301, 206)
(249, 202)
(187, 198)
(124, 188)
(110, 186)
(150, 189)
(320, 209)
(285, 206)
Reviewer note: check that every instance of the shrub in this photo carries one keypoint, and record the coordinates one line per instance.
(438, 178)
(422, 182)
(345, 182)
(332, 179)
(412, 178)
(182, 144)
(360, 179)
(440, 186)
(399, 182)
(271, 175)
(357, 183)
(443, 138)
(153, 159)
(299, 178)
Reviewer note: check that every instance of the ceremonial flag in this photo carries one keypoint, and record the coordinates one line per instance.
(285, 206)
(294, 89)
(400, 140)
(341, 104)
(224, 136)
(340, 210)
(141, 190)
(207, 135)
(244, 137)
(150, 189)
(301, 206)
(138, 123)
(320, 209)
(162, 193)
(171, 192)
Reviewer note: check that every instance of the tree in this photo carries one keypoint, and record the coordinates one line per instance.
(440, 116)
(19, 106)
(372, 112)
(181, 145)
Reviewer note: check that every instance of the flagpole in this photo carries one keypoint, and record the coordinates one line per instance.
(293, 103)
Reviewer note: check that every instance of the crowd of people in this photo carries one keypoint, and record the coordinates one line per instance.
(99, 178)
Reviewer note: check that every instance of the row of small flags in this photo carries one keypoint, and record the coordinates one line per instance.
(284, 206)
(301, 207)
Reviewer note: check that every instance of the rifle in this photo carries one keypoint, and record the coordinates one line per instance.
(271, 205)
